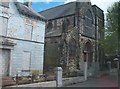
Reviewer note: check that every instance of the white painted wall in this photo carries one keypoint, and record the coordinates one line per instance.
(17, 26)
(0, 63)
(36, 56)
(18, 32)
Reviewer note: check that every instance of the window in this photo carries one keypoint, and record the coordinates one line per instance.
(88, 23)
(67, 22)
(55, 24)
(3, 27)
(49, 25)
(5, 53)
(59, 24)
(70, 21)
(28, 32)
(72, 47)
(26, 60)
(63, 26)
(74, 24)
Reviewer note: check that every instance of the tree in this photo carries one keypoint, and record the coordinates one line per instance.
(111, 41)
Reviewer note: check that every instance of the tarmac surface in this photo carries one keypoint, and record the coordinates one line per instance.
(106, 80)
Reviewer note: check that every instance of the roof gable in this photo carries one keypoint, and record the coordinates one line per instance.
(28, 11)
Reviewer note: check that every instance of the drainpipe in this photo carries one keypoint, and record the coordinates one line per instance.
(78, 29)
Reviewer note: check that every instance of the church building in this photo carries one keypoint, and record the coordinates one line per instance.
(71, 38)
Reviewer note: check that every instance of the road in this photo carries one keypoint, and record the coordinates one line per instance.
(103, 81)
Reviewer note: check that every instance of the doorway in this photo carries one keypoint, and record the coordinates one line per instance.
(5, 53)
(88, 54)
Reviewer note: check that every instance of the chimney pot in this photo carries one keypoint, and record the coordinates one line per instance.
(28, 3)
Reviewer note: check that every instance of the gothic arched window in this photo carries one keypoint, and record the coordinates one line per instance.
(67, 22)
(72, 47)
(88, 23)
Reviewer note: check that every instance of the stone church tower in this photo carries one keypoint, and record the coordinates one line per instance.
(72, 33)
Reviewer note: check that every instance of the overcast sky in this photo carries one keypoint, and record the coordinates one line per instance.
(103, 4)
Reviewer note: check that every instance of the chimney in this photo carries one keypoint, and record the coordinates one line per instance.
(28, 3)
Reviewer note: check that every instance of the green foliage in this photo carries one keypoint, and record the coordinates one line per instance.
(110, 43)
(112, 18)
(35, 72)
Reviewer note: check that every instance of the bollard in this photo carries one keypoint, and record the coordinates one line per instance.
(45, 77)
(85, 64)
(58, 76)
(85, 71)
(118, 65)
(96, 68)
(109, 66)
(32, 78)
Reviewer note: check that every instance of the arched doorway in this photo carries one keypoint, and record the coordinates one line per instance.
(88, 53)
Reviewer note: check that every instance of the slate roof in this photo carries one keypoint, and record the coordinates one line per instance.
(25, 10)
(59, 11)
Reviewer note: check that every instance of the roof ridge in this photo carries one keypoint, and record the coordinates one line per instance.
(56, 6)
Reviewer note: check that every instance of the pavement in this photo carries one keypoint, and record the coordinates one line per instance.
(105, 80)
